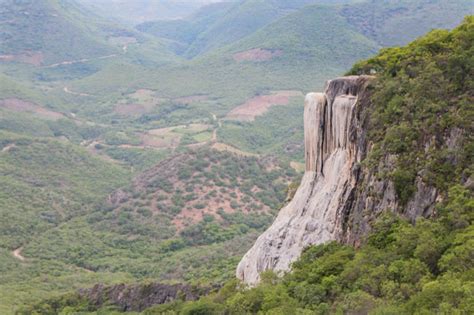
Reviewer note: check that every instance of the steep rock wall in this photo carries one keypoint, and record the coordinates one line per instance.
(141, 296)
(337, 198)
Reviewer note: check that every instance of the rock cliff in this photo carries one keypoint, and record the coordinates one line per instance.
(139, 297)
(337, 198)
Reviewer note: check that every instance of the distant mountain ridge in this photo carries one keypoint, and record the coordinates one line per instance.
(387, 23)
(139, 11)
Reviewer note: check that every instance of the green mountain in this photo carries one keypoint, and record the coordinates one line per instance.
(220, 24)
(91, 110)
(139, 11)
(47, 32)
(392, 23)
(64, 40)
(419, 94)
(183, 32)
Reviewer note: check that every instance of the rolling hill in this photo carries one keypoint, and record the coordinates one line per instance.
(63, 36)
(119, 146)
(139, 11)
(47, 32)
(220, 24)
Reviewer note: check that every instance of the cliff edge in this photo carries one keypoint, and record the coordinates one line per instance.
(333, 201)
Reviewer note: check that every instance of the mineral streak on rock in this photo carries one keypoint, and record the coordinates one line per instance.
(315, 214)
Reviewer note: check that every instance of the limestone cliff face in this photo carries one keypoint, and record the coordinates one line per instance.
(334, 200)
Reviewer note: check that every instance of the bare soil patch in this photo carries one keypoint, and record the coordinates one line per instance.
(257, 54)
(131, 109)
(259, 105)
(29, 57)
(227, 148)
(8, 147)
(140, 102)
(190, 99)
(188, 186)
(17, 254)
(18, 105)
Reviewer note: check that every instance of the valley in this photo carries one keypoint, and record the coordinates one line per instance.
(138, 148)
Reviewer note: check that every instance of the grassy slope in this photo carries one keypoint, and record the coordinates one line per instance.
(46, 27)
(82, 239)
(46, 182)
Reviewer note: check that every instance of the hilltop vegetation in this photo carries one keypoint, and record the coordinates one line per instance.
(424, 91)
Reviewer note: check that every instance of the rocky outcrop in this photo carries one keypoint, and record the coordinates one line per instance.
(337, 198)
(139, 297)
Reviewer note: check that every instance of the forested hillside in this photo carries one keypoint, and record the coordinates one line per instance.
(160, 151)
(401, 267)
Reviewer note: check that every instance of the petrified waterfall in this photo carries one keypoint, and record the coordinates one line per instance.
(315, 214)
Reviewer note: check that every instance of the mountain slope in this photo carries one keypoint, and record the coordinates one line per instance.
(184, 219)
(57, 33)
(44, 30)
(139, 11)
(223, 23)
(417, 116)
(183, 32)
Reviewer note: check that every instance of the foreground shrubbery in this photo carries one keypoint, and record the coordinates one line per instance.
(425, 268)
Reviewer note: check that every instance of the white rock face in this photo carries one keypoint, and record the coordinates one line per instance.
(314, 214)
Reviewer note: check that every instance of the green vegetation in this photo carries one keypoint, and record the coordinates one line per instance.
(422, 92)
(89, 125)
(394, 23)
(402, 268)
(39, 32)
(422, 109)
(281, 139)
(45, 183)
(84, 238)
